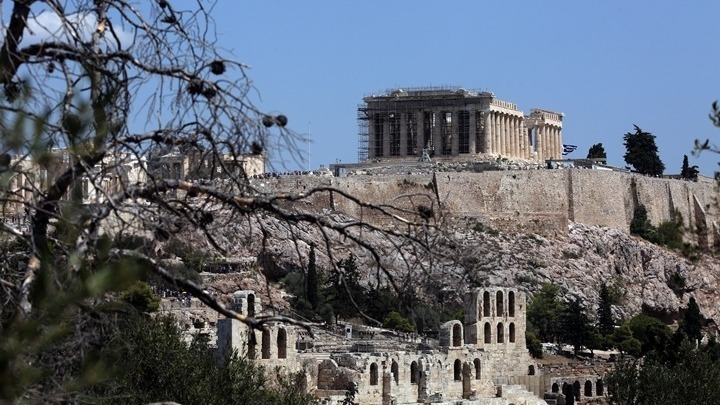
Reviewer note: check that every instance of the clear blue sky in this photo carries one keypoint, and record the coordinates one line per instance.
(606, 65)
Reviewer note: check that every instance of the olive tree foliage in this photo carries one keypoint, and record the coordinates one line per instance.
(95, 92)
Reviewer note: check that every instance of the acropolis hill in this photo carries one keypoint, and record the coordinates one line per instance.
(405, 135)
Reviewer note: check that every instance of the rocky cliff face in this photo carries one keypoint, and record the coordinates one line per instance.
(646, 277)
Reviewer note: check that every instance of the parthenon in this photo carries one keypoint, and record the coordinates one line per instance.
(454, 122)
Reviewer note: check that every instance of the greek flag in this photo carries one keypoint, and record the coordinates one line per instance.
(568, 149)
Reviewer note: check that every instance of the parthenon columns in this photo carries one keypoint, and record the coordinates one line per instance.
(386, 138)
(496, 133)
(548, 142)
(512, 142)
(472, 130)
(403, 134)
(487, 133)
(420, 125)
(455, 131)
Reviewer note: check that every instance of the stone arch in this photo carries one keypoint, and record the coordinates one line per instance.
(265, 344)
(414, 372)
(511, 333)
(499, 310)
(511, 303)
(251, 305)
(588, 389)
(457, 370)
(488, 333)
(252, 343)
(329, 377)
(576, 390)
(567, 392)
(457, 335)
(531, 370)
(599, 388)
(486, 303)
(478, 368)
(282, 343)
(500, 333)
(373, 374)
(395, 370)
(555, 388)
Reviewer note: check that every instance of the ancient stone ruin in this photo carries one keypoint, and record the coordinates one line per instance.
(482, 360)
(429, 122)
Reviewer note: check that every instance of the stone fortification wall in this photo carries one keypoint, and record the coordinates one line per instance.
(539, 201)
(600, 198)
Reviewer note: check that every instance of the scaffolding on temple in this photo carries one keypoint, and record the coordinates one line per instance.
(363, 133)
(393, 113)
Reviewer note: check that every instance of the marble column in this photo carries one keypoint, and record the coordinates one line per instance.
(558, 139)
(386, 137)
(437, 133)
(493, 132)
(403, 133)
(551, 146)
(514, 137)
(371, 137)
(486, 136)
(508, 135)
(558, 145)
(472, 131)
(539, 141)
(455, 133)
(532, 143)
(523, 137)
(503, 134)
(496, 133)
(420, 124)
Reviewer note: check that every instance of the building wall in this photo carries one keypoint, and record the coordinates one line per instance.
(540, 201)
(456, 369)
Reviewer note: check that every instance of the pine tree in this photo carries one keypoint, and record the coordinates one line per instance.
(543, 312)
(575, 325)
(605, 319)
(597, 151)
(642, 153)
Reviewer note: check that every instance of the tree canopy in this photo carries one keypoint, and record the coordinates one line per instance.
(125, 120)
(606, 324)
(688, 172)
(575, 325)
(597, 151)
(693, 320)
(642, 153)
(544, 311)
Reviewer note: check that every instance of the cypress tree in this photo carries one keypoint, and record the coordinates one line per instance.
(311, 283)
(642, 153)
(693, 321)
(605, 319)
